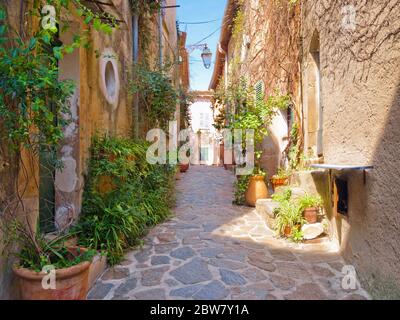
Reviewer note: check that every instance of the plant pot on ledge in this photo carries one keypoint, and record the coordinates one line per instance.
(278, 182)
(71, 283)
(311, 215)
(256, 190)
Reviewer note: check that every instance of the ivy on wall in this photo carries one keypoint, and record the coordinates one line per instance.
(157, 94)
(33, 101)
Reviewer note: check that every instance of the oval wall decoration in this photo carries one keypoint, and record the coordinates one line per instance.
(109, 77)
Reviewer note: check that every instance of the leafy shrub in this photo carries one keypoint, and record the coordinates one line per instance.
(290, 212)
(289, 215)
(309, 201)
(140, 196)
(37, 250)
(240, 187)
(283, 196)
(156, 93)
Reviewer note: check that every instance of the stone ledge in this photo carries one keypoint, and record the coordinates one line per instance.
(265, 208)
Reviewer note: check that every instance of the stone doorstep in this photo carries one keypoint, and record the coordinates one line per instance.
(97, 268)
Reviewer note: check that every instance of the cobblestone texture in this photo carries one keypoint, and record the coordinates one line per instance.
(212, 249)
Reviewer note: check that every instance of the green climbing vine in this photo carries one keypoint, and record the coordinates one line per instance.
(33, 101)
(157, 95)
(145, 10)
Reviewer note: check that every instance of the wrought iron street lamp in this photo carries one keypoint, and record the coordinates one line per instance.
(206, 55)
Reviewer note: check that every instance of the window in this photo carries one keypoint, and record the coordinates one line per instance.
(204, 120)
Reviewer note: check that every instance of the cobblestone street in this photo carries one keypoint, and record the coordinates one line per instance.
(212, 249)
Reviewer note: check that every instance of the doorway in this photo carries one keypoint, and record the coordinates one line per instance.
(314, 106)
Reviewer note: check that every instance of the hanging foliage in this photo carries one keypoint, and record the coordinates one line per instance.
(157, 95)
(33, 101)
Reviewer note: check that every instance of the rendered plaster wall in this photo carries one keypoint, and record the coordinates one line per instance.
(269, 52)
(90, 111)
(90, 114)
(360, 96)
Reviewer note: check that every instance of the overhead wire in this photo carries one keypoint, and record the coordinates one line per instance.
(200, 22)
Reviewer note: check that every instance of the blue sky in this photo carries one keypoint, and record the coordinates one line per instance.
(199, 11)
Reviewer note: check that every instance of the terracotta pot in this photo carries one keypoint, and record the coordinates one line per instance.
(256, 190)
(71, 283)
(311, 215)
(278, 182)
(183, 167)
(287, 231)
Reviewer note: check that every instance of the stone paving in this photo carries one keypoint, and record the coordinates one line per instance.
(212, 249)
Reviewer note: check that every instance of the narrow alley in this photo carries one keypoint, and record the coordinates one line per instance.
(199, 150)
(212, 249)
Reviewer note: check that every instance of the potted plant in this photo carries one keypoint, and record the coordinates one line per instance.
(310, 206)
(289, 219)
(49, 269)
(280, 179)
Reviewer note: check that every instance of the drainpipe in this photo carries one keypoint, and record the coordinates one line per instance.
(135, 26)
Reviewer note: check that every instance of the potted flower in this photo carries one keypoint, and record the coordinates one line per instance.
(310, 206)
(50, 269)
(280, 179)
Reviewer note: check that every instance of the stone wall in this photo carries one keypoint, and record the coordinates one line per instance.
(360, 97)
(269, 52)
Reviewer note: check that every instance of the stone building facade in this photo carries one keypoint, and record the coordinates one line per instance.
(259, 41)
(350, 84)
(340, 62)
(101, 104)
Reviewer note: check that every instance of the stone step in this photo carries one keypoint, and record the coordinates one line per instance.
(297, 192)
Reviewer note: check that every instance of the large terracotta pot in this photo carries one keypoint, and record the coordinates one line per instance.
(71, 283)
(311, 215)
(257, 189)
